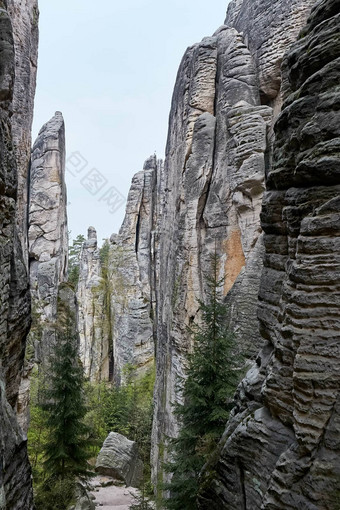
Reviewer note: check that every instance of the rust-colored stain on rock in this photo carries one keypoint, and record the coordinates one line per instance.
(235, 259)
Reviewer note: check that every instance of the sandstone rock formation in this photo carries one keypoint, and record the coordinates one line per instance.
(119, 458)
(15, 474)
(47, 233)
(24, 17)
(95, 347)
(281, 448)
(218, 151)
(131, 272)
(116, 292)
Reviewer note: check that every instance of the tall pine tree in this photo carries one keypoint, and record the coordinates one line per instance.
(212, 377)
(66, 451)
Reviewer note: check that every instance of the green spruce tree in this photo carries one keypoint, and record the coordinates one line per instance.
(212, 377)
(74, 252)
(66, 451)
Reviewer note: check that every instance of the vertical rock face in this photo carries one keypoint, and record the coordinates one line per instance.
(47, 234)
(93, 324)
(218, 152)
(269, 28)
(281, 448)
(116, 291)
(24, 16)
(15, 475)
(131, 268)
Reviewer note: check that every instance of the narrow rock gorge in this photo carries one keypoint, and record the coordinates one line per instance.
(219, 149)
(251, 172)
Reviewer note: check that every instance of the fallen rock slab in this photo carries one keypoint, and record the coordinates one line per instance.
(119, 458)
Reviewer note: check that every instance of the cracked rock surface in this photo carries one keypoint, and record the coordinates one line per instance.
(281, 447)
(24, 16)
(219, 149)
(116, 293)
(47, 233)
(15, 471)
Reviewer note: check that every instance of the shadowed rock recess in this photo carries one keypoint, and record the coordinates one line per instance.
(281, 448)
(15, 473)
(226, 99)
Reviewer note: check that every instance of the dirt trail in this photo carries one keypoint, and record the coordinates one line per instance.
(111, 497)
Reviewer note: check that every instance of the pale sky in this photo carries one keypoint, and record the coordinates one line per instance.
(110, 68)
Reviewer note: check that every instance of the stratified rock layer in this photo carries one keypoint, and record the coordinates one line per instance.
(119, 458)
(218, 152)
(47, 234)
(281, 449)
(15, 473)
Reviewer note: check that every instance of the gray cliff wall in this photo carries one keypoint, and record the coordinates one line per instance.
(47, 233)
(219, 148)
(116, 292)
(24, 16)
(281, 448)
(15, 473)
(132, 267)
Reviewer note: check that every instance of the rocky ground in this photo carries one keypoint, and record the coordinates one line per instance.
(109, 496)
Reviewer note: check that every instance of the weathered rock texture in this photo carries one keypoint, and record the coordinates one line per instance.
(219, 148)
(47, 234)
(131, 272)
(281, 449)
(24, 16)
(119, 458)
(15, 474)
(93, 313)
(116, 295)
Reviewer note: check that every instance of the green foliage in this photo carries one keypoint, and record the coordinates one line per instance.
(212, 377)
(94, 419)
(126, 409)
(104, 254)
(66, 451)
(55, 494)
(74, 252)
(58, 438)
(37, 432)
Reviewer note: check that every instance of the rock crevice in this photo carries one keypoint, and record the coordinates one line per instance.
(219, 148)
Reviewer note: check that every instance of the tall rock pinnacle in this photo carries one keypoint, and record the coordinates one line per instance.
(47, 233)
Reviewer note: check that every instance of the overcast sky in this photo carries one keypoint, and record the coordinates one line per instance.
(110, 68)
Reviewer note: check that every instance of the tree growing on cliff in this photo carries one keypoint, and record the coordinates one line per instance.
(74, 252)
(212, 376)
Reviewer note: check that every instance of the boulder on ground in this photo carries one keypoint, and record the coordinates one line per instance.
(120, 459)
